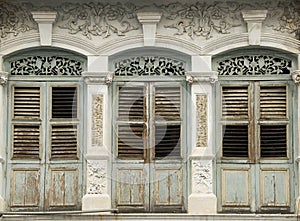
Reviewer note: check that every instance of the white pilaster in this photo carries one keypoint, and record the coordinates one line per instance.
(202, 200)
(254, 19)
(3, 82)
(45, 20)
(296, 77)
(149, 22)
(97, 155)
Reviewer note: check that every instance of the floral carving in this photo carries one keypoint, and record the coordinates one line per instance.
(3, 78)
(287, 15)
(96, 177)
(146, 66)
(97, 120)
(255, 65)
(46, 65)
(201, 105)
(98, 19)
(202, 175)
(15, 19)
(203, 19)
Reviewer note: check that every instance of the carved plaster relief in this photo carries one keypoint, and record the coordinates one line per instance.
(98, 19)
(3, 78)
(203, 18)
(97, 120)
(15, 19)
(202, 176)
(96, 180)
(201, 105)
(285, 17)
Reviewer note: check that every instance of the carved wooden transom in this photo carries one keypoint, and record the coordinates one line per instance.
(255, 65)
(150, 66)
(46, 65)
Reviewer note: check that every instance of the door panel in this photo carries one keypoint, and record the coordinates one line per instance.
(275, 188)
(167, 189)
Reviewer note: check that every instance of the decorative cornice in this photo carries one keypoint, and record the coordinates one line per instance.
(3, 78)
(45, 17)
(296, 76)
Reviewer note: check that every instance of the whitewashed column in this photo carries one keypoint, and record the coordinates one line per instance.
(3, 112)
(202, 200)
(97, 157)
(296, 78)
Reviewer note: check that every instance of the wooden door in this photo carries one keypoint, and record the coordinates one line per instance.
(44, 167)
(255, 165)
(149, 163)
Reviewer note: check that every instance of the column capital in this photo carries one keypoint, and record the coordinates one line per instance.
(195, 77)
(98, 77)
(296, 76)
(3, 78)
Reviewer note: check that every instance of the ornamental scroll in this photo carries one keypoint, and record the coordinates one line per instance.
(150, 66)
(46, 65)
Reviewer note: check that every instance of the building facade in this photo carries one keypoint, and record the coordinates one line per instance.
(150, 107)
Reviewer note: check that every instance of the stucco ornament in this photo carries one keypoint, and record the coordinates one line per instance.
(203, 19)
(202, 174)
(15, 19)
(296, 76)
(3, 78)
(288, 16)
(98, 19)
(96, 177)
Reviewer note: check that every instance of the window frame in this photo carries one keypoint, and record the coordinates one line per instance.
(254, 142)
(150, 133)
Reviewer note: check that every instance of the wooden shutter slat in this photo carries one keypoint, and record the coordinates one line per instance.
(64, 141)
(64, 102)
(131, 102)
(26, 141)
(235, 141)
(273, 141)
(273, 101)
(26, 101)
(235, 102)
(167, 102)
(167, 141)
(131, 141)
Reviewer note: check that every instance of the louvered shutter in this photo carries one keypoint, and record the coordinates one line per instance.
(26, 125)
(131, 122)
(167, 121)
(235, 132)
(235, 102)
(64, 123)
(273, 111)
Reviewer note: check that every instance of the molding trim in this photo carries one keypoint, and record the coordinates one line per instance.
(98, 77)
(196, 77)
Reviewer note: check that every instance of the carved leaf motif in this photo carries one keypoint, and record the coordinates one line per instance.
(96, 19)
